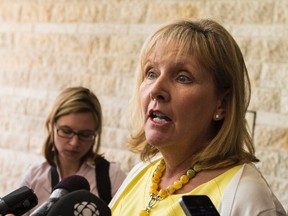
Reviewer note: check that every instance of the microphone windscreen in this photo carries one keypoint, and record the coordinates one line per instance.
(73, 183)
(18, 202)
(80, 203)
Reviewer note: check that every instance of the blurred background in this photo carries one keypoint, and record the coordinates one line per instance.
(48, 45)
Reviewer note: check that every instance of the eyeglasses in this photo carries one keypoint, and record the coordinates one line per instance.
(68, 133)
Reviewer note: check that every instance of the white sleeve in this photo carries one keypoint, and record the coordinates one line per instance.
(249, 194)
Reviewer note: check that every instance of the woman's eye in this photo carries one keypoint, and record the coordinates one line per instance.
(184, 79)
(150, 75)
(67, 131)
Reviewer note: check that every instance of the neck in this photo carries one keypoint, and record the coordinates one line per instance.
(68, 168)
(177, 165)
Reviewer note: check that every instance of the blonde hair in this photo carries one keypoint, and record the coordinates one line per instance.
(73, 100)
(216, 51)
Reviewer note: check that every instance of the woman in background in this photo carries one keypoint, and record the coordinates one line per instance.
(74, 128)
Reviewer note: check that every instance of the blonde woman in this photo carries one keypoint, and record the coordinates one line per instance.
(191, 96)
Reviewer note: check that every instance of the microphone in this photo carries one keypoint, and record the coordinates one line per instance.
(67, 185)
(18, 202)
(80, 203)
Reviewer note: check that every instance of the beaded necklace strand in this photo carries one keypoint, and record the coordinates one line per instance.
(156, 196)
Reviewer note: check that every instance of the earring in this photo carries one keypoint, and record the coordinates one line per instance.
(217, 117)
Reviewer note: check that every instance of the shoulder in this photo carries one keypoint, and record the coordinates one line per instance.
(35, 174)
(250, 192)
(116, 172)
(252, 180)
(144, 165)
(40, 167)
(115, 165)
(138, 168)
(36, 170)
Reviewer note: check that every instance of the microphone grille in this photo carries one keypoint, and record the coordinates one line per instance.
(80, 202)
(73, 183)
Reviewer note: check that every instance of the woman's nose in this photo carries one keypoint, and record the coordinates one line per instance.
(74, 140)
(160, 90)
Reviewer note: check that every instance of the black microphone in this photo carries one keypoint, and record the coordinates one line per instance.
(80, 203)
(67, 185)
(18, 202)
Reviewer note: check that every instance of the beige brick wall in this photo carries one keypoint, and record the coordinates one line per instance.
(47, 45)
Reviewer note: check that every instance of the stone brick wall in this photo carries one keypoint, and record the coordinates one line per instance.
(47, 45)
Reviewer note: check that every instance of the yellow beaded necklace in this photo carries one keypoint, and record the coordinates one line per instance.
(156, 196)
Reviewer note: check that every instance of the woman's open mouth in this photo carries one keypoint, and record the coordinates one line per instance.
(159, 117)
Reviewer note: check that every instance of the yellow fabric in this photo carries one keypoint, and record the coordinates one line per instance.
(136, 195)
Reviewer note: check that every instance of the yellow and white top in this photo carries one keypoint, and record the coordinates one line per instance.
(136, 194)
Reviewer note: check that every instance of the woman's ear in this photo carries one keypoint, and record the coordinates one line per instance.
(220, 111)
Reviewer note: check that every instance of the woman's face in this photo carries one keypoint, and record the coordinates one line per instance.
(70, 146)
(179, 101)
